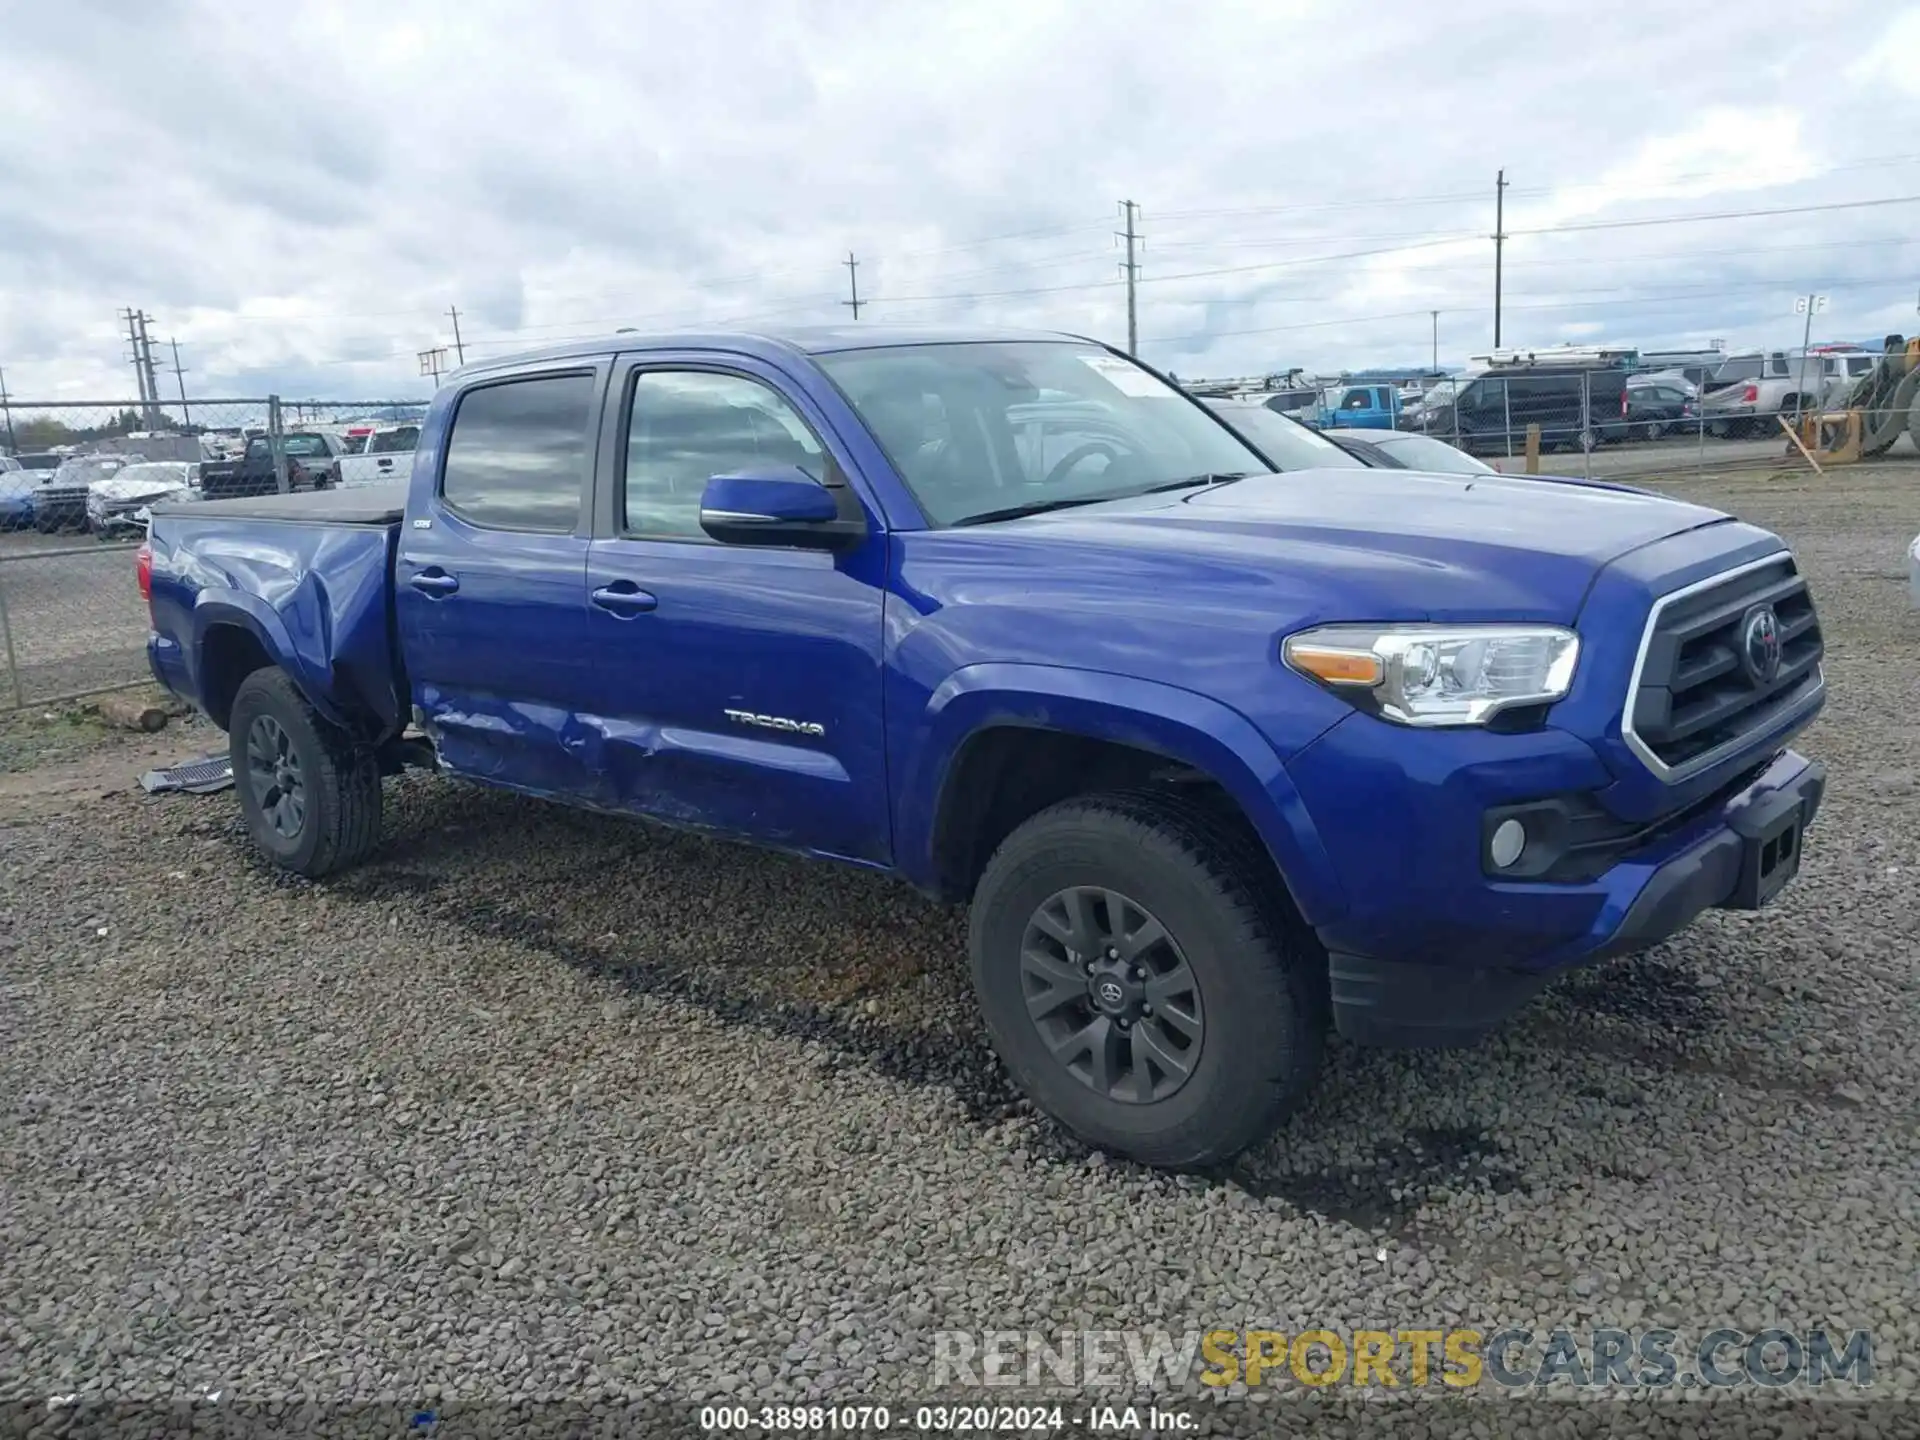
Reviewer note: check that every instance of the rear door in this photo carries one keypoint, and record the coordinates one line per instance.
(741, 684)
(489, 583)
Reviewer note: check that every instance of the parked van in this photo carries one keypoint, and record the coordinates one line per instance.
(1574, 408)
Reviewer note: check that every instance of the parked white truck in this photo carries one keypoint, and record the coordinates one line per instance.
(1791, 382)
(387, 455)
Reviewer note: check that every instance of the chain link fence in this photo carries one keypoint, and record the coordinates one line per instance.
(77, 480)
(1609, 421)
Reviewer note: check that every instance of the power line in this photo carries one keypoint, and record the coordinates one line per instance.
(1584, 226)
(1705, 294)
(1463, 196)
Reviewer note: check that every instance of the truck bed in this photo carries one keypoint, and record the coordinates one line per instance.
(308, 576)
(363, 505)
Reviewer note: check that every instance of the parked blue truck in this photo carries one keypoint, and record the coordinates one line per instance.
(1216, 756)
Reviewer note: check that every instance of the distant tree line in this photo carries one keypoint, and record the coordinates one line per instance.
(43, 432)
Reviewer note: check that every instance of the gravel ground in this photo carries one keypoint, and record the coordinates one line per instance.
(541, 1106)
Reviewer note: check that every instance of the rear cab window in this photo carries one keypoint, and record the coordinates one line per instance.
(519, 455)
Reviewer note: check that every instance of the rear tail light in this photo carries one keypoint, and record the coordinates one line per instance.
(143, 569)
(1623, 404)
(1750, 395)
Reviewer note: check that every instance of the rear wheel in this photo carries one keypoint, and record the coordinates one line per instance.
(1652, 430)
(1143, 984)
(311, 797)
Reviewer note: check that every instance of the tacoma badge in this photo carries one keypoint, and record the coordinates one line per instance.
(776, 722)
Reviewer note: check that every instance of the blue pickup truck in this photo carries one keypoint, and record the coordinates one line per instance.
(1219, 757)
(1361, 407)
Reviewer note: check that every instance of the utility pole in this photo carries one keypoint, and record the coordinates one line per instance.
(1131, 269)
(434, 362)
(180, 378)
(6, 409)
(132, 317)
(152, 379)
(1499, 245)
(853, 283)
(459, 350)
(1436, 341)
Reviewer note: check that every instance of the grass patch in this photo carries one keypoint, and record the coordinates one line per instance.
(37, 736)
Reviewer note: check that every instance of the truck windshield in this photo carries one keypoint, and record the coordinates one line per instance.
(980, 430)
(1286, 443)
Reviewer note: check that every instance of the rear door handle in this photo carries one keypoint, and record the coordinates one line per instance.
(624, 599)
(434, 582)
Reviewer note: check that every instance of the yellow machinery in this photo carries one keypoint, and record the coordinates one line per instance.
(1888, 399)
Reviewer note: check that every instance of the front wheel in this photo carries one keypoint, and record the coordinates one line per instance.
(1143, 982)
(310, 796)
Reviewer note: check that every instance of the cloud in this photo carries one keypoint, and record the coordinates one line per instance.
(300, 195)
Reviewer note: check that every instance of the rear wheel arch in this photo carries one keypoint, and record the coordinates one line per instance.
(229, 652)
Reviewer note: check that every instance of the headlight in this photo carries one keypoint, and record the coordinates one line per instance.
(1438, 674)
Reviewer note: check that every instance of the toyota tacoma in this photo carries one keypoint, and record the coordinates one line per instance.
(1220, 758)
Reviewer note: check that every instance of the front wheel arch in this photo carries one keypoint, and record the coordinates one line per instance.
(1181, 737)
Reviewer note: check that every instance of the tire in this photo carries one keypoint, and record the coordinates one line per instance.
(1913, 419)
(1652, 430)
(1258, 978)
(332, 820)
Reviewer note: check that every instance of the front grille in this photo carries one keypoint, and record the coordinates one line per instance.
(1704, 685)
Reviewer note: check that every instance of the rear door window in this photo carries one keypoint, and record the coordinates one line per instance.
(518, 457)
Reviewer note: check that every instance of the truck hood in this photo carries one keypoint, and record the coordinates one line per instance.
(1381, 544)
(114, 492)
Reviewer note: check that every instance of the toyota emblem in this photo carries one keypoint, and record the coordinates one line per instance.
(1111, 994)
(1760, 645)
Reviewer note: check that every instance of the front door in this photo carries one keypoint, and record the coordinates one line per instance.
(491, 617)
(742, 683)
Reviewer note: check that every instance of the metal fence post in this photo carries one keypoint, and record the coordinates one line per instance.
(1700, 418)
(13, 670)
(1589, 432)
(1506, 406)
(276, 443)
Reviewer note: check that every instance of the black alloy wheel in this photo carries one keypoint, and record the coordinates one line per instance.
(274, 773)
(1111, 995)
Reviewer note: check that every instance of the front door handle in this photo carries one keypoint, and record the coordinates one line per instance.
(624, 599)
(434, 582)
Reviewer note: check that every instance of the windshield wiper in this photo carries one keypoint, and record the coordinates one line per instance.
(1033, 507)
(1040, 507)
(1191, 482)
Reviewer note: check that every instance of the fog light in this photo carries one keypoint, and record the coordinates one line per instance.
(1509, 839)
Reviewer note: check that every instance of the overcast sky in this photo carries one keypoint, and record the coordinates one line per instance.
(299, 192)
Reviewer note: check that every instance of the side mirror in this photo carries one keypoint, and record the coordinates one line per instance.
(781, 505)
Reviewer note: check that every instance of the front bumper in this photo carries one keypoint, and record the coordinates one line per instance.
(1708, 863)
